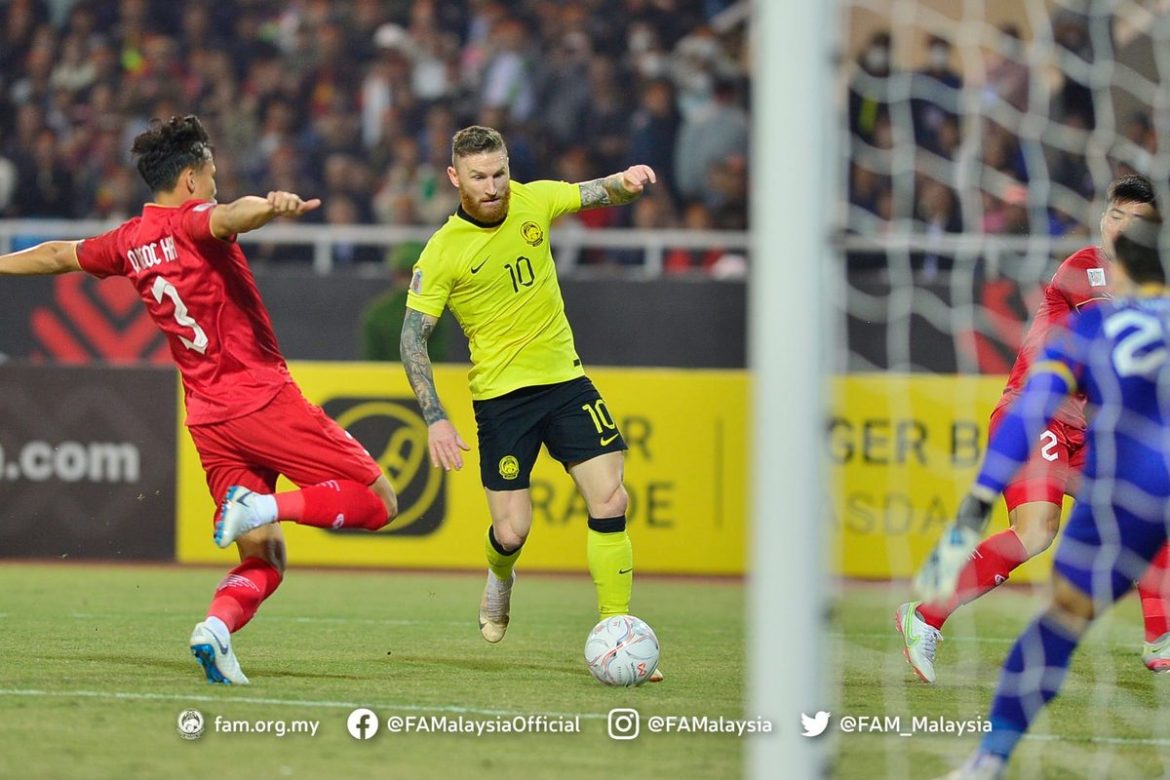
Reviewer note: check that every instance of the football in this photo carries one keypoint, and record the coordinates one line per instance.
(621, 650)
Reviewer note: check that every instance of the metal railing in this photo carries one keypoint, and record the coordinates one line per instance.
(568, 241)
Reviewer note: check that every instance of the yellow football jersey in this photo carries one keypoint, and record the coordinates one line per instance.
(501, 284)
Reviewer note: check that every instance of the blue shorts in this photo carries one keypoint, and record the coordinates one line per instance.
(1105, 549)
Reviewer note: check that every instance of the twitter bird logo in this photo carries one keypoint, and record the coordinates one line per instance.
(816, 725)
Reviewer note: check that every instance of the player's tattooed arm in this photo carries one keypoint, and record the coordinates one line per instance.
(604, 192)
(617, 188)
(416, 331)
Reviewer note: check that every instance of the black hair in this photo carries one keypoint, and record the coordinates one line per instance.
(168, 147)
(475, 140)
(1136, 248)
(1133, 188)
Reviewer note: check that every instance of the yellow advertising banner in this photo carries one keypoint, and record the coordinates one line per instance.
(903, 450)
(686, 473)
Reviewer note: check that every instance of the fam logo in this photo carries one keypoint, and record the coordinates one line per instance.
(531, 232)
(509, 467)
(395, 434)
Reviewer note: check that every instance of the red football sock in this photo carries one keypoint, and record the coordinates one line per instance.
(240, 593)
(1154, 589)
(990, 564)
(338, 503)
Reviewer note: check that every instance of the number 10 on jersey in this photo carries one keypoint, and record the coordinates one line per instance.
(521, 273)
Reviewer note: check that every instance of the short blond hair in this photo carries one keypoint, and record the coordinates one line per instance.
(475, 139)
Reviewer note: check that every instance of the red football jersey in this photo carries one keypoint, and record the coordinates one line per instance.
(1081, 279)
(201, 293)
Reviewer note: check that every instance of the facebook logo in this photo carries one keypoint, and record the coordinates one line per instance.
(362, 723)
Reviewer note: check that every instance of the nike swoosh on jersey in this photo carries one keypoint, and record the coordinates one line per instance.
(605, 442)
(625, 571)
(475, 268)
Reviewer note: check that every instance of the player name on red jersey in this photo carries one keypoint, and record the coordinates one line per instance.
(147, 255)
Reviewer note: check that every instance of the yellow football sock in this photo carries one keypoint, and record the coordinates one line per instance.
(500, 561)
(611, 562)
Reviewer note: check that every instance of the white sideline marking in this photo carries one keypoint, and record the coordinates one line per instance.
(1101, 740)
(983, 640)
(324, 704)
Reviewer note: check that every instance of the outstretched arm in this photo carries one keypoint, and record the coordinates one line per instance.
(617, 188)
(251, 212)
(442, 438)
(51, 257)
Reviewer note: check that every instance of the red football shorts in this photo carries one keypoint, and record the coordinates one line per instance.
(1053, 468)
(289, 437)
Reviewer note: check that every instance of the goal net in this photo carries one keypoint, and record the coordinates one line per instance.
(978, 140)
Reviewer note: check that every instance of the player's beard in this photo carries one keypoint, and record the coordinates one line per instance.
(494, 211)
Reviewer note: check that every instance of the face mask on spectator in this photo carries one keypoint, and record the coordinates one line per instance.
(877, 58)
(640, 40)
(940, 57)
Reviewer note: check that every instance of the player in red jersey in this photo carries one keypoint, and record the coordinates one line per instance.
(1035, 495)
(247, 417)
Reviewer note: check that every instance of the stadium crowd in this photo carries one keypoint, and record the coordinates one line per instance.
(944, 149)
(356, 102)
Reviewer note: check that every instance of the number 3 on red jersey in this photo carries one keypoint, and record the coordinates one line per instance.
(162, 287)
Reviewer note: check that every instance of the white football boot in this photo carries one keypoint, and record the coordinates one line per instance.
(242, 510)
(920, 640)
(215, 655)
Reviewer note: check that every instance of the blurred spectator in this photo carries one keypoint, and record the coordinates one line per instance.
(936, 208)
(654, 130)
(1006, 212)
(1007, 78)
(1074, 97)
(869, 101)
(45, 184)
(728, 194)
(699, 60)
(936, 98)
(709, 136)
(696, 216)
(340, 209)
(652, 211)
(8, 182)
(357, 102)
(383, 316)
(606, 122)
(1061, 223)
(508, 74)
(565, 88)
(865, 189)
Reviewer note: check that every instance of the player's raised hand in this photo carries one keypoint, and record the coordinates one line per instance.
(289, 204)
(636, 177)
(445, 444)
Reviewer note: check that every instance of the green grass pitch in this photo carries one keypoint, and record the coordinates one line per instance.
(1112, 719)
(95, 669)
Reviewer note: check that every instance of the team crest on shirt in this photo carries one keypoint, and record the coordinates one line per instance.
(416, 281)
(1096, 277)
(531, 232)
(509, 467)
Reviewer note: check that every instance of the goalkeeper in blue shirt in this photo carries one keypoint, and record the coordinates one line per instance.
(1118, 355)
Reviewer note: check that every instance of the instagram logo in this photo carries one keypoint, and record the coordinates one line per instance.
(624, 723)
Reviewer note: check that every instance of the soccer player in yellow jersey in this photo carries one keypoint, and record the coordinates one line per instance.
(491, 264)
